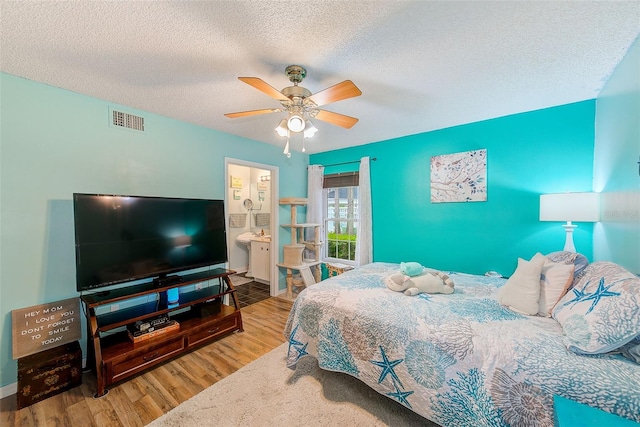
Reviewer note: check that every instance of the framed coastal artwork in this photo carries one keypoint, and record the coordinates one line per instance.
(459, 177)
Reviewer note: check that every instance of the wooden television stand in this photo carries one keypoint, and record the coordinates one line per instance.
(113, 356)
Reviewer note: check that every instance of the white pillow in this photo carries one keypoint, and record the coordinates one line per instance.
(555, 280)
(602, 311)
(521, 293)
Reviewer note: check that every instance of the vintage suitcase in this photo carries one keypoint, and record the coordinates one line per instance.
(48, 373)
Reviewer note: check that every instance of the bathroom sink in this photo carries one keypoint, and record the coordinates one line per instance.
(246, 238)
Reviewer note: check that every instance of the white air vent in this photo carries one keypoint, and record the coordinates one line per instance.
(126, 120)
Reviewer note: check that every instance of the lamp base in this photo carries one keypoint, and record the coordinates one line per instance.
(568, 243)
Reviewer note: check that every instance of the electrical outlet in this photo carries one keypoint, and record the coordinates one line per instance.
(115, 307)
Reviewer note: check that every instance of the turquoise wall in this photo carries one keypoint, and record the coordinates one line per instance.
(545, 151)
(55, 143)
(616, 175)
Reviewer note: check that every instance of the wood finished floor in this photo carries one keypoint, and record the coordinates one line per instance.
(144, 398)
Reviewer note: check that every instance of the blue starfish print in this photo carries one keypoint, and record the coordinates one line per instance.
(387, 367)
(578, 295)
(401, 396)
(292, 341)
(302, 350)
(601, 292)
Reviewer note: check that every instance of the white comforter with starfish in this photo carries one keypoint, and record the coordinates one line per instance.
(458, 359)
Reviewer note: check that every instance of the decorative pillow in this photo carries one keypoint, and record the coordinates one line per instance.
(555, 281)
(602, 312)
(522, 291)
(579, 262)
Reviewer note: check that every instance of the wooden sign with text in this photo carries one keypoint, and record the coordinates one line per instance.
(45, 326)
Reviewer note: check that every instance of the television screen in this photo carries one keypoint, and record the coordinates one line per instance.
(124, 238)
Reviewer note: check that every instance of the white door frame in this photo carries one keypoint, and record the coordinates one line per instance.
(274, 217)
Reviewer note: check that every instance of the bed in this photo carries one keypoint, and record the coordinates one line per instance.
(463, 358)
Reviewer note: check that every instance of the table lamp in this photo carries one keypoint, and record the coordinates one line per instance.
(569, 207)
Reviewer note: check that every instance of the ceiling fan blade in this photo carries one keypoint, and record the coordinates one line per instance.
(335, 93)
(253, 112)
(264, 87)
(346, 122)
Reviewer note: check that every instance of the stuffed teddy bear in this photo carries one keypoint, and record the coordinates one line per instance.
(431, 282)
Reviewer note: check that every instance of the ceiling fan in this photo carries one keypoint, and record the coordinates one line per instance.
(301, 105)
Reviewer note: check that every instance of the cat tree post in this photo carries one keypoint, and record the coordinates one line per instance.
(293, 259)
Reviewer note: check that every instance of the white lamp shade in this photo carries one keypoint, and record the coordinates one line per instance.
(309, 129)
(282, 128)
(295, 123)
(578, 207)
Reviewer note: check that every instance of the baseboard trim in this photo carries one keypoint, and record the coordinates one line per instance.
(8, 390)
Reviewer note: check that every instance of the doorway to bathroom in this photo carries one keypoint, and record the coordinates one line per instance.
(251, 203)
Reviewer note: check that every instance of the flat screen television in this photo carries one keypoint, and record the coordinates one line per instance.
(125, 238)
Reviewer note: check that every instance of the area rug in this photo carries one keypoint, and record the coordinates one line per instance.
(267, 393)
(240, 279)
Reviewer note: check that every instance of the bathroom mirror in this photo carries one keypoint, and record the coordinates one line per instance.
(261, 199)
(260, 193)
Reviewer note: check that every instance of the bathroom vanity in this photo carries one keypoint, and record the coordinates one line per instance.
(260, 259)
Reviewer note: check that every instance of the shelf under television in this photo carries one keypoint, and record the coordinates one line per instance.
(98, 298)
(116, 319)
(119, 343)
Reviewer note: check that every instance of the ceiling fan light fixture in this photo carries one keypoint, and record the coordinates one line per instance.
(282, 128)
(295, 123)
(309, 129)
(299, 103)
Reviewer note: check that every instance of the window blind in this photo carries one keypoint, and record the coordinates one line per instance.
(347, 179)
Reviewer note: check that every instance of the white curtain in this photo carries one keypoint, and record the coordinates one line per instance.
(364, 239)
(314, 197)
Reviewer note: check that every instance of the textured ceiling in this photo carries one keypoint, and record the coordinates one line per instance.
(421, 65)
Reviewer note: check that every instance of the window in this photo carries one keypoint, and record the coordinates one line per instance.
(341, 216)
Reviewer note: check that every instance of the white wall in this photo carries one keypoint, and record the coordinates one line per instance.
(616, 175)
